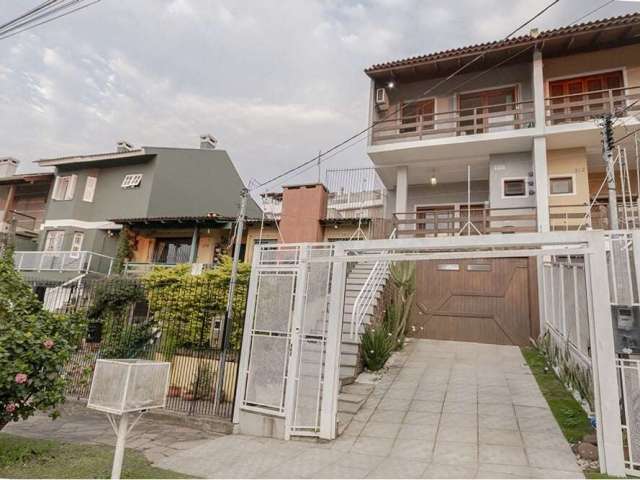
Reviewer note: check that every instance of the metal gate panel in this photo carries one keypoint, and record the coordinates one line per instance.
(307, 368)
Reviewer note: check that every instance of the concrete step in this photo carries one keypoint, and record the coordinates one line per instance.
(349, 346)
(363, 389)
(348, 309)
(346, 372)
(349, 359)
(350, 403)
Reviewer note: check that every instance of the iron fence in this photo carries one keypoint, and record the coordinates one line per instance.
(175, 320)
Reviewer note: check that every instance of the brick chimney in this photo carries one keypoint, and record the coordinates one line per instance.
(303, 207)
(8, 166)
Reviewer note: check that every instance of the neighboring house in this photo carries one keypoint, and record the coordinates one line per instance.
(79, 235)
(23, 203)
(521, 121)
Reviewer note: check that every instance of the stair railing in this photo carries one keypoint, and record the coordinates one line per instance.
(367, 293)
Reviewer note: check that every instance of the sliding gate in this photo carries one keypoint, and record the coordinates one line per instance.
(292, 367)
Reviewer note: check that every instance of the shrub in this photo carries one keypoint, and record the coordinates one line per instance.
(377, 345)
(34, 346)
(403, 277)
(187, 304)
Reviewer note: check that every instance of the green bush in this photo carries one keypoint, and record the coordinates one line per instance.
(377, 344)
(187, 304)
(34, 346)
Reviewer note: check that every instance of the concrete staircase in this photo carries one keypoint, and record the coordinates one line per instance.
(350, 363)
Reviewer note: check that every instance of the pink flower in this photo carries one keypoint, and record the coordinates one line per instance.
(48, 344)
(10, 408)
(21, 378)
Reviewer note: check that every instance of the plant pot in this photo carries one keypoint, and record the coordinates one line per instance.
(189, 396)
(174, 391)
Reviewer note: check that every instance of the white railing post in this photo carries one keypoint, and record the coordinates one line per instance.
(603, 357)
(111, 266)
(84, 258)
(40, 262)
(20, 262)
(331, 383)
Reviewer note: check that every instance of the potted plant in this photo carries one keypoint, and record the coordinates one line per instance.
(174, 391)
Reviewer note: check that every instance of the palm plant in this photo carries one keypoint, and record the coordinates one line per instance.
(403, 276)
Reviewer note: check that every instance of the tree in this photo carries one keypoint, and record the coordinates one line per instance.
(34, 346)
(124, 250)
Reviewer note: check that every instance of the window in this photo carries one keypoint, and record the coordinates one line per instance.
(76, 245)
(418, 113)
(53, 241)
(89, 189)
(514, 187)
(64, 187)
(132, 180)
(561, 185)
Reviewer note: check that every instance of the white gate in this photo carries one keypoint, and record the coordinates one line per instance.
(291, 370)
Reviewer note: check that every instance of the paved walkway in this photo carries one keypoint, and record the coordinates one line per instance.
(443, 409)
(155, 438)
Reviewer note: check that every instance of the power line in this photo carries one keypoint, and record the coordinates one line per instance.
(320, 158)
(609, 2)
(21, 25)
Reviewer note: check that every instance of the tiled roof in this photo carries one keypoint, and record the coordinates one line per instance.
(629, 19)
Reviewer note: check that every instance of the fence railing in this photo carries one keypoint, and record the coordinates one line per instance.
(355, 193)
(475, 221)
(585, 217)
(178, 322)
(582, 107)
(466, 121)
(22, 221)
(63, 261)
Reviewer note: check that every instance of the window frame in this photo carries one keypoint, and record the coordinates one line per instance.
(504, 180)
(69, 190)
(90, 188)
(572, 176)
(76, 247)
(131, 180)
(49, 238)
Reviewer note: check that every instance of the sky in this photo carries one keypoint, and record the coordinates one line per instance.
(275, 81)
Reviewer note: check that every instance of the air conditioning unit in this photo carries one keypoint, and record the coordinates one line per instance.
(382, 100)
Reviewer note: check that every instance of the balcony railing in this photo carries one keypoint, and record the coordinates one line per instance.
(468, 121)
(21, 222)
(583, 107)
(476, 221)
(63, 261)
(585, 217)
(137, 269)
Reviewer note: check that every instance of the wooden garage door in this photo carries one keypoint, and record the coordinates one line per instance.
(485, 301)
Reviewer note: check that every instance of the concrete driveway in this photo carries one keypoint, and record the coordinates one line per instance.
(443, 409)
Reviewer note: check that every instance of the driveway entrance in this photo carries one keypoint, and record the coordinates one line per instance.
(442, 410)
(476, 300)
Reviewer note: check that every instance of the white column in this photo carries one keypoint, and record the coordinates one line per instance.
(603, 358)
(542, 182)
(402, 186)
(538, 90)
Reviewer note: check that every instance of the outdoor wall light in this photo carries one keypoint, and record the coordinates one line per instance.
(433, 180)
(391, 84)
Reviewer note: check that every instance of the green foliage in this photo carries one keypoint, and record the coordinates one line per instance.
(567, 411)
(33, 458)
(34, 346)
(124, 250)
(186, 304)
(114, 296)
(377, 344)
(125, 340)
(203, 384)
(403, 277)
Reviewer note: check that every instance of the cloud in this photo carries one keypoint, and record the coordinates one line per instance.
(274, 81)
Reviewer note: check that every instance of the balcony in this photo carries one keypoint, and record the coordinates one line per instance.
(80, 262)
(476, 221)
(588, 106)
(139, 269)
(455, 123)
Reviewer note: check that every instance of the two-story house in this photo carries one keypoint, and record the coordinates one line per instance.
(23, 203)
(514, 137)
(159, 193)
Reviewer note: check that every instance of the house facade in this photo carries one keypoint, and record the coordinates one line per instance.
(23, 203)
(148, 189)
(513, 137)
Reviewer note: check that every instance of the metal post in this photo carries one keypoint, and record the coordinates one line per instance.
(228, 317)
(607, 157)
(118, 456)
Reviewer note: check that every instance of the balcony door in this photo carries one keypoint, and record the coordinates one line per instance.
(418, 116)
(172, 251)
(568, 104)
(479, 110)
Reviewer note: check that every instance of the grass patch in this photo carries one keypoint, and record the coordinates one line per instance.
(567, 411)
(22, 457)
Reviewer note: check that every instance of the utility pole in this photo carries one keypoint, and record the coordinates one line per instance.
(228, 316)
(607, 157)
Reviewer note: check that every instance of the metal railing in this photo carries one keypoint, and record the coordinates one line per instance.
(582, 107)
(587, 217)
(63, 261)
(475, 221)
(466, 121)
(367, 293)
(354, 193)
(136, 269)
